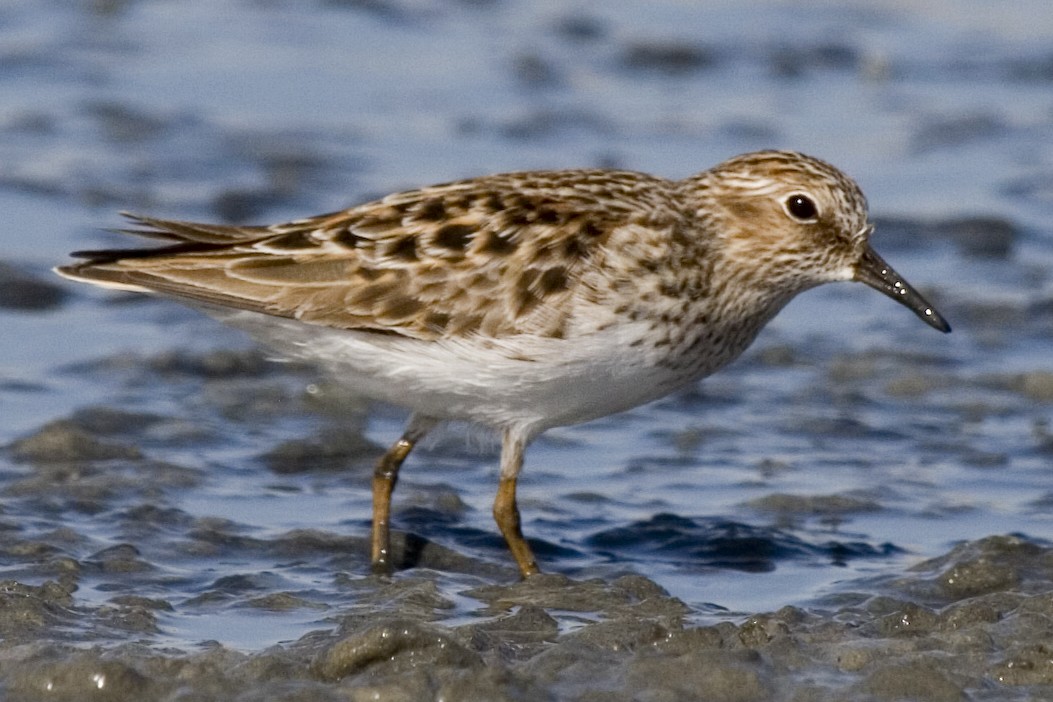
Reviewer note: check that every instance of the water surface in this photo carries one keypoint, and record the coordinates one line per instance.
(172, 487)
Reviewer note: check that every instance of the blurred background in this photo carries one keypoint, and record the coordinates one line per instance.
(852, 440)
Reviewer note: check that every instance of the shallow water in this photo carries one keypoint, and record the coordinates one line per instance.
(175, 498)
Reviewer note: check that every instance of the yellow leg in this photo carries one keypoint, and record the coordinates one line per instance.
(506, 512)
(385, 475)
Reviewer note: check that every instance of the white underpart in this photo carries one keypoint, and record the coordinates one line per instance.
(485, 383)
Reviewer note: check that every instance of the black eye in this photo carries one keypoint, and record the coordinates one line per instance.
(801, 207)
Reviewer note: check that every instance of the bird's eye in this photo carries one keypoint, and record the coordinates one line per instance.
(801, 207)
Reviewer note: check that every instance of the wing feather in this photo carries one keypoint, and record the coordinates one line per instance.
(496, 256)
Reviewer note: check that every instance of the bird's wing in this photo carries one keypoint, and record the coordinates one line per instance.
(496, 256)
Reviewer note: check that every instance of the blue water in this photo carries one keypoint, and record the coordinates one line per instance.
(264, 111)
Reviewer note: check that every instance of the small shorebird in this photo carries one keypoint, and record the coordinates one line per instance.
(523, 301)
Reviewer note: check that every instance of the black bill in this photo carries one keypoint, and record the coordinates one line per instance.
(873, 271)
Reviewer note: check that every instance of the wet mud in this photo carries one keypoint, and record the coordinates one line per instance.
(858, 509)
(970, 624)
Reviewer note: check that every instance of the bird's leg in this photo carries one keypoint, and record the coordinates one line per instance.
(506, 512)
(385, 475)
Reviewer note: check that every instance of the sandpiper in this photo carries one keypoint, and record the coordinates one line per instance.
(523, 301)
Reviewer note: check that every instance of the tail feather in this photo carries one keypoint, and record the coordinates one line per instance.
(102, 256)
(182, 237)
(177, 230)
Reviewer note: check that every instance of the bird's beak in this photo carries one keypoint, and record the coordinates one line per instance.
(873, 271)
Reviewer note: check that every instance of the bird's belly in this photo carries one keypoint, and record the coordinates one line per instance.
(537, 383)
